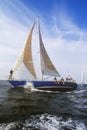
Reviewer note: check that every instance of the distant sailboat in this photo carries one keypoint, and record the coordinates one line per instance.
(47, 68)
(84, 76)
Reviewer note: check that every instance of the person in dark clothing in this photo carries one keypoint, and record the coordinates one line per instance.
(11, 73)
(56, 81)
(62, 80)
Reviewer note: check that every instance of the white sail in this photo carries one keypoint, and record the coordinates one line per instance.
(84, 75)
(26, 56)
(47, 66)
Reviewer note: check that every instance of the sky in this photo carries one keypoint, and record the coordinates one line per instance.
(63, 27)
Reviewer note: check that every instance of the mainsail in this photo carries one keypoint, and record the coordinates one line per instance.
(47, 67)
(26, 56)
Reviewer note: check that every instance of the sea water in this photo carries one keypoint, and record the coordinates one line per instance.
(22, 109)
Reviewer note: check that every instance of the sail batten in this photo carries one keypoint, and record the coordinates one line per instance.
(47, 66)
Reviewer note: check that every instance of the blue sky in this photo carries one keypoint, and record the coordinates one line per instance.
(63, 27)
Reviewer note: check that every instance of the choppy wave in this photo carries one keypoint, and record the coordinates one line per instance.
(45, 122)
(22, 109)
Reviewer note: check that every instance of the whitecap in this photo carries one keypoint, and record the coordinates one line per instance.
(52, 122)
(46, 122)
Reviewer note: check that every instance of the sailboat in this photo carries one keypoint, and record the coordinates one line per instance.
(84, 76)
(46, 67)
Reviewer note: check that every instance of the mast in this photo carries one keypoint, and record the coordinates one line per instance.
(38, 22)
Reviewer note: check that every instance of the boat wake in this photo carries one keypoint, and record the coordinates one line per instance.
(29, 86)
(79, 91)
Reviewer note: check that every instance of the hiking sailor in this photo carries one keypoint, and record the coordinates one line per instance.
(10, 74)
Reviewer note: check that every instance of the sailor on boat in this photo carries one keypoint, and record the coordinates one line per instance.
(70, 79)
(11, 74)
(62, 80)
(55, 80)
